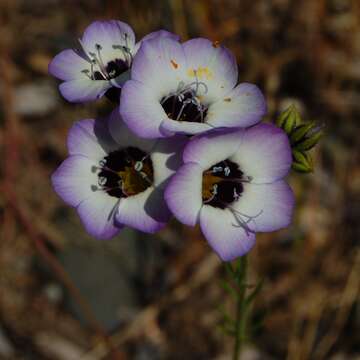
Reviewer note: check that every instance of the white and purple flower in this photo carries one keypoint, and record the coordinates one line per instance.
(103, 62)
(114, 178)
(187, 88)
(232, 183)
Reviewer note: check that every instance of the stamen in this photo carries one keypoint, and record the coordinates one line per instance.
(216, 169)
(151, 151)
(145, 177)
(123, 189)
(107, 189)
(214, 192)
(101, 187)
(184, 99)
(96, 61)
(112, 73)
(87, 73)
(95, 168)
(138, 166)
(98, 69)
(126, 53)
(236, 195)
(186, 102)
(246, 179)
(102, 180)
(98, 47)
(92, 71)
(236, 180)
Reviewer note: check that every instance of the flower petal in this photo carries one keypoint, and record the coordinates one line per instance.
(83, 90)
(264, 153)
(68, 65)
(212, 64)
(242, 107)
(97, 215)
(223, 234)
(212, 147)
(125, 137)
(160, 64)
(154, 35)
(146, 211)
(140, 110)
(120, 80)
(74, 178)
(267, 207)
(183, 193)
(90, 138)
(169, 127)
(110, 35)
(166, 158)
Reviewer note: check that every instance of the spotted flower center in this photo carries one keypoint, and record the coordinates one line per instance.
(113, 69)
(125, 172)
(185, 103)
(222, 184)
(101, 70)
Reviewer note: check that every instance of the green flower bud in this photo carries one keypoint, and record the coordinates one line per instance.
(300, 132)
(303, 136)
(282, 117)
(288, 119)
(302, 162)
(310, 140)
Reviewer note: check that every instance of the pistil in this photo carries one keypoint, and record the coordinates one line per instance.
(185, 103)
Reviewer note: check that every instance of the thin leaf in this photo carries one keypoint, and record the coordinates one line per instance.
(226, 317)
(251, 297)
(227, 330)
(228, 288)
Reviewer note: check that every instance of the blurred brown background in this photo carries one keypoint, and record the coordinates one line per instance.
(65, 296)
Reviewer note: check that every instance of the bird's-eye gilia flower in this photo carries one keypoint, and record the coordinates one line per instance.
(187, 88)
(113, 178)
(232, 183)
(102, 63)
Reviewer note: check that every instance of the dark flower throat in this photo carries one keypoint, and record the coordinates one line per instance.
(184, 108)
(222, 184)
(126, 172)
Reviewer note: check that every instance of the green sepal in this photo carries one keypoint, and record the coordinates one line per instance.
(301, 168)
(282, 117)
(291, 122)
(288, 119)
(302, 162)
(300, 131)
(229, 270)
(310, 142)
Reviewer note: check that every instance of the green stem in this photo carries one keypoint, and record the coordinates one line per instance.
(240, 321)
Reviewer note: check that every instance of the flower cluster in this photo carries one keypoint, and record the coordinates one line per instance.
(185, 140)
